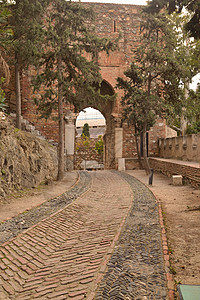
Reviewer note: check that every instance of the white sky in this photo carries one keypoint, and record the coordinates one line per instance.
(195, 81)
(91, 113)
(137, 2)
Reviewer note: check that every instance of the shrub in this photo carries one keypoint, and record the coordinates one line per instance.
(99, 146)
(86, 130)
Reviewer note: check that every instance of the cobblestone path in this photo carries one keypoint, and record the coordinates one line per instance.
(18, 224)
(136, 268)
(79, 250)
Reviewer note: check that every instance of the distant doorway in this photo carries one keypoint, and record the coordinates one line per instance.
(89, 148)
(95, 120)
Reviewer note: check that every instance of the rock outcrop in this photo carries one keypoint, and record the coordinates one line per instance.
(25, 160)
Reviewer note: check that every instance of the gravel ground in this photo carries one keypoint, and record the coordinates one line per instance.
(136, 268)
(23, 221)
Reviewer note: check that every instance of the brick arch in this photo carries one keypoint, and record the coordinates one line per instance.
(109, 137)
(105, 108)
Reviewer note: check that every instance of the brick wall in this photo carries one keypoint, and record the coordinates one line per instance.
(129, 148)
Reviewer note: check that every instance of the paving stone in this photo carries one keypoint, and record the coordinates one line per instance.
(138, 253)
(66, 255)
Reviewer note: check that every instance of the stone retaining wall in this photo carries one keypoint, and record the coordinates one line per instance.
(189, 173)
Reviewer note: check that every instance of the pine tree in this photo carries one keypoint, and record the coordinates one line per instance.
(86, 130)
(153, 82)
(26, 23)
(193, 6)
(6, 34)
(66, 75)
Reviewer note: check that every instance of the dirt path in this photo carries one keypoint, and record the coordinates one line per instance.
(181, 210)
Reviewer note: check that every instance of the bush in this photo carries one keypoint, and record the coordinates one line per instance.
(86, 130)
(84, 143)
(99, 146)
(2, 97)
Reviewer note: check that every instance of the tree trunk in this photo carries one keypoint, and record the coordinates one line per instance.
(18, 92)
(138, 150)
(61, 125)
(146, 163)
(183, 122)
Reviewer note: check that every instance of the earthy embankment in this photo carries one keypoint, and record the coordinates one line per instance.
(25, 160)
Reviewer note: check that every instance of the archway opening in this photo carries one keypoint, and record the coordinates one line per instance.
(89, 148)
(105, 119)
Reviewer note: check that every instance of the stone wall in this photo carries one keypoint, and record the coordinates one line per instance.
(182, 147)
(86, 151)
(25, 160)
(189, 173)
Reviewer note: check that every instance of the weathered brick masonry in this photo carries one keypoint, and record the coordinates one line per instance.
(111, 19)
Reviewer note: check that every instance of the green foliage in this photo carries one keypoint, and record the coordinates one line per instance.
(68, 43)
(6, 31)
(192, 25)
(172, 270)
(3, 172)
(16, 129)
(99, 145)
(153, 82)
(192, 112)
(5, 40)
(2, 96)
(26, 21)
(86, 130)
(84, 143)
(187, 52)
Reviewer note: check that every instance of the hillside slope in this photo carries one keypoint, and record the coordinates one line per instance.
(25, 160)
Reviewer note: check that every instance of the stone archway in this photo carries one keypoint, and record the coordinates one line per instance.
(106, 109)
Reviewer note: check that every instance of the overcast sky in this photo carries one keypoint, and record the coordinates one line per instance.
(138, 2)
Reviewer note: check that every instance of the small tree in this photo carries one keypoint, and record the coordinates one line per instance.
(187, 53)
(153, 80)
(84, 143)
(86, 130)
(99, 145)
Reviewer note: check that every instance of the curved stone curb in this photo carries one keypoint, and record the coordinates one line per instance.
(136, 268)
(169, 276)
(11, 228)
(170, 279)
